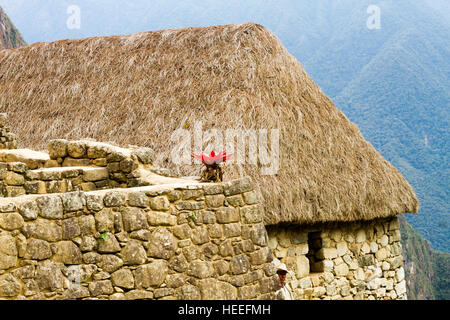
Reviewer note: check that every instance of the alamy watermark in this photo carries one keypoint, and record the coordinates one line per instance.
(234, 142)
(74, 19)
(374, 20)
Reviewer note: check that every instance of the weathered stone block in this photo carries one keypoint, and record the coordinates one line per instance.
(267, 285)
(11, 221)
(201, 269)
(134, 219)
(96, 174)
(97, 151)
(109, 262)
(9, 286)
(76, 149)
(200, 235)
(8, 252)
(110, 245)
(237, 186)
(162, 244)
(341, 270)
(188, 292)
(301, 266)
(192, 194)
(240, 264)
(191, 253)
(214, 201)
(212, 188)
(258, 235)
(102, 287)
(215, 231)
(13, 179)
(396, 262)
(208, 217)
(367, 260)
(138, 295)
(8, 207)
(87, 225)
(212, 289)
(50, 207)
(251, 214)
(327, 253)
(14, 191)
(35, 187)
(381, 254)
(227, 215)
(123, 278)
(187, 205)
(88, 243)
(138, 199)
(57, 148)
(68, 253)
(144, 155)
(160, 203)
(133, 253)
(104, 220)
(38, 250)
(73, 201)
(114, 199)
(161, 219)
(49, 276)
(261, 256)
(152, 274)
(178, 263)
(44, 230)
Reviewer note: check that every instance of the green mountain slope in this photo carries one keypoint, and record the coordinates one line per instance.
(10, 37)
(427, 271)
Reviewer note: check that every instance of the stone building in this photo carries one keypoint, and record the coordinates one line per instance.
(328, 199)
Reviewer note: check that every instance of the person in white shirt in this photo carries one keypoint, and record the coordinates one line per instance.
(285, 292)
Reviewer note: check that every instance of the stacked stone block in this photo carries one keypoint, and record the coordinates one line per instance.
(202, 241)
(360, 261)
(17, 179)
(121, 163)
(8, 140)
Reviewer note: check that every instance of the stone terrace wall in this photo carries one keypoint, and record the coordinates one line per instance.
(74, 165)
(348, 261)
(8, 140)
(17, 179)
(197, 241)
(122, 164)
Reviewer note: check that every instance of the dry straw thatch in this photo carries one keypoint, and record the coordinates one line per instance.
(138, 89)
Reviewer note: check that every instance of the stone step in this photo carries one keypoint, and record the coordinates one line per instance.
(33, 159)
(89, 174)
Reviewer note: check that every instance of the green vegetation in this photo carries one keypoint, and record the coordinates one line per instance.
(427, 270)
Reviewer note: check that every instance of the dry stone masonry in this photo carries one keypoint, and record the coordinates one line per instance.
(346, 261)
(190, 242)
(8, 140)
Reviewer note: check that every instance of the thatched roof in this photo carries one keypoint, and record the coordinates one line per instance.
(138, 89)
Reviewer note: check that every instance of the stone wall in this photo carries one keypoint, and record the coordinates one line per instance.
(195, 241)
(17, 179)
(8, 140)
(73, 165)
(345, 261)
(122, 164)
